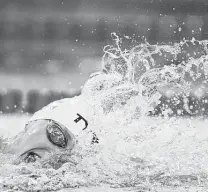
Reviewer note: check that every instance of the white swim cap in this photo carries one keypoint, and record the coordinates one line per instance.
(73, 113)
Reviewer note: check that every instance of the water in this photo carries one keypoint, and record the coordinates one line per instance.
(136, 152)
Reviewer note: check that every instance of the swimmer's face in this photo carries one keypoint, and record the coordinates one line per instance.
(42, 137)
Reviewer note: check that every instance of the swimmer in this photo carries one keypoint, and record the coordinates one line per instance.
(57, 126)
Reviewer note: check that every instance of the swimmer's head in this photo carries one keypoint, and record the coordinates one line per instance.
(42, 137)
(53, 128)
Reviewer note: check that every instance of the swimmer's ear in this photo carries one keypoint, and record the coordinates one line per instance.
(81, 118)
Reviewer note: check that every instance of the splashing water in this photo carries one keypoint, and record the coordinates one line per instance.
(136, 152)
(145, 68)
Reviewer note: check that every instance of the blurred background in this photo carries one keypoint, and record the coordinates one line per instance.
(48, 48)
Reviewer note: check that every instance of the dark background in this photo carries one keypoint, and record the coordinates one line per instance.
(55, 44)
(35, 32)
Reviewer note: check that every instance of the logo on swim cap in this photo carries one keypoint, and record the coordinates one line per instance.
(81, 118)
